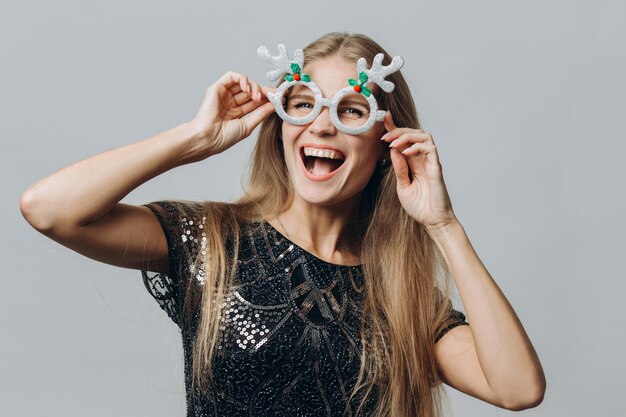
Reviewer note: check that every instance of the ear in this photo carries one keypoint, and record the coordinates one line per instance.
(385, 156)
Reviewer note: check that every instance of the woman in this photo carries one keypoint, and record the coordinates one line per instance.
(318, 292)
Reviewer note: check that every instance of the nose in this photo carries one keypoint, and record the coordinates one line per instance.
(322, 124)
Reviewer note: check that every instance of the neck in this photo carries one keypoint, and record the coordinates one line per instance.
(328, 232)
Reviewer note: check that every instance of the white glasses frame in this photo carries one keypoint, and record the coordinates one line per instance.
(321, 101)
(375, 75)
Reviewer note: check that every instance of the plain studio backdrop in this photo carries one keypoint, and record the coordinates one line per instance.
(525, 101)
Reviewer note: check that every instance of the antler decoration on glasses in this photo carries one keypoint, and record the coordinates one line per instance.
(376, 74)
(282, 61)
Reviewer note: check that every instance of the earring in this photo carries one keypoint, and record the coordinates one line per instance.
(383, 162)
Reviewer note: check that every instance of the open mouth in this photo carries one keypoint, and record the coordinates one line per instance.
(321, 163)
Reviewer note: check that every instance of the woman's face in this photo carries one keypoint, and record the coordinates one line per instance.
(327, 166)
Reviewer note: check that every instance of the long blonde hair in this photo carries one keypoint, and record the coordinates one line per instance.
(404, 303)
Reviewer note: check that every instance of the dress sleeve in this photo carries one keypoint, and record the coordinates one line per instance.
(182, 224)
(453, 319)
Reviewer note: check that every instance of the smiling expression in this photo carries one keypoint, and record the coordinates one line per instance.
(327, 166)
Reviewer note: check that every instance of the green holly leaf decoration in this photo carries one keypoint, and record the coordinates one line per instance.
(305, 78)
(361, 83)
(295, 68)
(289, 77)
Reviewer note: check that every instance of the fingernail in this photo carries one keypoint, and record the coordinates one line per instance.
(392, 144)
(385, 136)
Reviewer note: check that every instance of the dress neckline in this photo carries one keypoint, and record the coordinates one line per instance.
(278, 233)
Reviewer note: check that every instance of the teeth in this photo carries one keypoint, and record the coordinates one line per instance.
(323, 153)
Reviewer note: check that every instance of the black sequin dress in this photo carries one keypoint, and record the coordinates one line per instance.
(290, 328)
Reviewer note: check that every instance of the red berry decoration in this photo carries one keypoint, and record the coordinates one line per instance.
(296, 77)
(359, 86)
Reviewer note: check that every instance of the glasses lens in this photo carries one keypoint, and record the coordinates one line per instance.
(298, 101)
(353, 110)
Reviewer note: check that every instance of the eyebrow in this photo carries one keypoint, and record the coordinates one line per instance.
(343, 101)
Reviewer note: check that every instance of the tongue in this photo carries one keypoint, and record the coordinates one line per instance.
(322, 166)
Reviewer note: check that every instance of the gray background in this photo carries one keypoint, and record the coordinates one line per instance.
(524, 99)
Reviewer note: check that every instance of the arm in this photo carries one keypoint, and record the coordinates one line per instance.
(493, 358)
(78, 206)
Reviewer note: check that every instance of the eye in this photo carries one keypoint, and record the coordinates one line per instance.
(299, 106)
(353, 112)
(302, 105)
(299, 103)
(356, 111)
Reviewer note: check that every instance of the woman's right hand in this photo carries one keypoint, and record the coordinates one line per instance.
(221, 120)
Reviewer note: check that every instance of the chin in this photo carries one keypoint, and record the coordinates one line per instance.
(341, 190)
(317, 197)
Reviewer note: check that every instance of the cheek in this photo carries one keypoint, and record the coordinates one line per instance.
(289, 133)
(383, 146)
(371, 149)
(378, 131)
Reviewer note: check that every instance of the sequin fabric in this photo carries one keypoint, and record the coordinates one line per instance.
(290, 325)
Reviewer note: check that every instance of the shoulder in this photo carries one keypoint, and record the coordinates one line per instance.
(183, 222)
(177, 210)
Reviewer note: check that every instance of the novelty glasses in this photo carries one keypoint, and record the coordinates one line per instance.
(299, 100)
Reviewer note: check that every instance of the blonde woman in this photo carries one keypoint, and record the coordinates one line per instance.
(325, 289)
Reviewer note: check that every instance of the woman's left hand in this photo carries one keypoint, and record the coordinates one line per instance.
(420, 186)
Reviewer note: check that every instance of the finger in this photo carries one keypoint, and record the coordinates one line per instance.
(406, 139)
(394, 134)
(241, 98)
(399, 131)
(265, 90)
(243, 83)
(230, 79)
(250, 105)
(430, 138)
(253, 89)
(235, 89)
(430, 151)
(388, 121)
(392, 131)
(400, 168)
(254, 118)
(256, 91)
